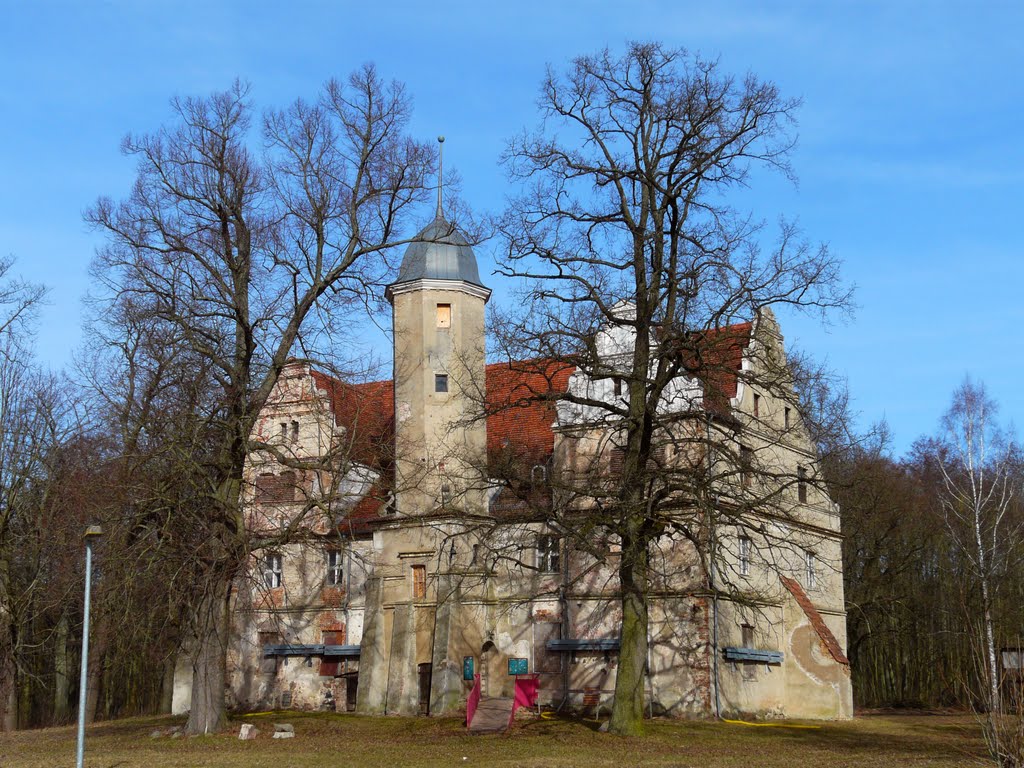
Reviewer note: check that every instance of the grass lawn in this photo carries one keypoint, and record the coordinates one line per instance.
(337, 740)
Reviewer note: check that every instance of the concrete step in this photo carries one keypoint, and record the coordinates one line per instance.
(492, 715)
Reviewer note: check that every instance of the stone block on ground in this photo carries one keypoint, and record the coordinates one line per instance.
(284, 734)
(248, 731)
(284, 728)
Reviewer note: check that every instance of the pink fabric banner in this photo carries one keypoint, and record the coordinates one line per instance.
(473, 701)
(527, 688)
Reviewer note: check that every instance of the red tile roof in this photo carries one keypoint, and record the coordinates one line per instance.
(520, 406)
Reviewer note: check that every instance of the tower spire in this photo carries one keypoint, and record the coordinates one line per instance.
(440, 172)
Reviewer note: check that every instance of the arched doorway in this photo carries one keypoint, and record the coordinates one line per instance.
(487, 655)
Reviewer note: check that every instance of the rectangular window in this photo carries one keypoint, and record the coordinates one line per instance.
(440, 382)
(419, 582)
(444, 315)
(273, 573)
(744, 554)
(801, 484)
(747, 638)
(746, 466)
(295, 431)
(747, 631)
(785, 418)
(810, 570)
(548, 554)
(284, 430)
(268, 664)
(617, 386)
(335, 570)
(757, 405)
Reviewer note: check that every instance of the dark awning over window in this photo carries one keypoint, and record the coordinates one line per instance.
(752, 654)
(345, 651)
(584, 644)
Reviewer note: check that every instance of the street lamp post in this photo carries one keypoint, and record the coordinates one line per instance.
(92, 532)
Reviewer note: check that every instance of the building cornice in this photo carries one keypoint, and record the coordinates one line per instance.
(435, 284)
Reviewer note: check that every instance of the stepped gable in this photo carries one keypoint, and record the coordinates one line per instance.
(715, 356)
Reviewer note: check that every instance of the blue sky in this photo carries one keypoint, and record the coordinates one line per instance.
(911, 154)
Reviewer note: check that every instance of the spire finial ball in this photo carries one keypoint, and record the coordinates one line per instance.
(440, 139)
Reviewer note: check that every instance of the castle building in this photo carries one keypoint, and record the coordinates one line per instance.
(430, 552)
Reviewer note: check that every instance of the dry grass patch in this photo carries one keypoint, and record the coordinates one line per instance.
(337, 740)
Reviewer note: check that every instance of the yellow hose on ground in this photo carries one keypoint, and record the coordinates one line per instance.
(771, 725)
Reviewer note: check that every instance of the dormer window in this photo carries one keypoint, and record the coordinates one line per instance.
(440, 382)
(444, 315)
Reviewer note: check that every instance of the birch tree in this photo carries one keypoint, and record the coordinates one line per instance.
(976, 459)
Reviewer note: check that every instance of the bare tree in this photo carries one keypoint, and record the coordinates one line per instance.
(976, 459)
(19, 301)
(240, 254)
(626, 241)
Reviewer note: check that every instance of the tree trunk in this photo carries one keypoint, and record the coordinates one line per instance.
(8, 669)
(628, 708)
(209, 665)
(98, 644)
(61, 676)
(167, 685)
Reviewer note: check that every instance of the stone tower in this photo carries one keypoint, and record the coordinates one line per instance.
(440, 434)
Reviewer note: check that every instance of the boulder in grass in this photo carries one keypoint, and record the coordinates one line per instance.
(248, 732)
(284, 728)
(284, 734)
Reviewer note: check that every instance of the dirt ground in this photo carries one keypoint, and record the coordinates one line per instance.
(339, 740)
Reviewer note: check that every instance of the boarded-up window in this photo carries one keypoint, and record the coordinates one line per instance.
(419, 582)
(616, 460)
(444, 315)
(332, 666)
(276, 489)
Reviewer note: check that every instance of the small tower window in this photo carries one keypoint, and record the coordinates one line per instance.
(757, 405)
(801, 484)
(440, 382)
(785, 418)
(295, 431)
(444, 315)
